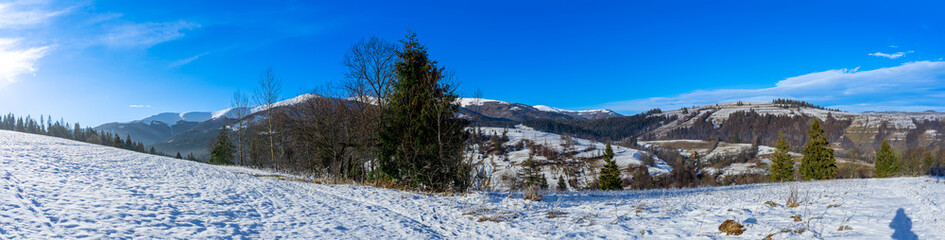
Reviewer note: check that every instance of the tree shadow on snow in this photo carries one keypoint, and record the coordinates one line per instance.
(902, 226)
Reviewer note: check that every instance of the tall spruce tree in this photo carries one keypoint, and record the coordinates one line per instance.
(818, 162)
(223, 150)
(887, 164)
(782, 165)
(609, 174)
(422, 140)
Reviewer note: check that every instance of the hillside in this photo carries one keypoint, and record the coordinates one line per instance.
(55, 188)
(191, 132)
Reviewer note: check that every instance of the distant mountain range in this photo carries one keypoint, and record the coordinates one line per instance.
(191, 132)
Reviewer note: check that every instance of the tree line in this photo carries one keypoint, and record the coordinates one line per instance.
(61, 129)
(391, 122)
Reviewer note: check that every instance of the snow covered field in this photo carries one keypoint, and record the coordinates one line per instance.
(54, 188)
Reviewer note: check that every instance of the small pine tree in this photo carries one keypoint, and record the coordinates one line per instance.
(610, 174)
(782, 165)
(191, 157)
(562, 186)
(887, 164)
(818, 162)
(152, 151)
(178, 156)
(531, 174)
(223, 150)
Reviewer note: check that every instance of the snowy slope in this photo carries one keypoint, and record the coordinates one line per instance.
(170, 118)
(53, 188)
(495, 168)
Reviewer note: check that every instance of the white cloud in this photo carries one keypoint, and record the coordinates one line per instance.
(905, 87)
(139, 106)
(15, 60)
(185, 61)
(890, 55)
(23, 14)
(145, 34)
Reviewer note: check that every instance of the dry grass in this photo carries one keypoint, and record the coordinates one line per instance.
(792, 199)
(491, 215)
(533, 193)
(555, 214)
(771, 236)
(730, 227)
(796, 218)
(844, 227)
(772, 204)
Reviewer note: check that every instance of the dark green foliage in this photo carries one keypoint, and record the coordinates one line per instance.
(612, 128)
(887, 164)
(422, 140)
(609, 174)
(61, 129)
(223, 150)
(785, 103)
(562, 186)
(782, 164)
(178, 156)
(531, 175)
(818, 162)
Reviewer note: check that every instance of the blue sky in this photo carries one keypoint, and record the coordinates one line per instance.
(103, 61)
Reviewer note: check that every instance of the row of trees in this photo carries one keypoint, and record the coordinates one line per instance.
(392, 120)
(62, 129)
(818, 162)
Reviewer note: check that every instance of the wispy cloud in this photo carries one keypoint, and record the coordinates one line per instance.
(15, 60)
(185, 61)
(905, 87)
(146, 34)
(139, 106)
(16, 57)
(24, 14)
(890, 55)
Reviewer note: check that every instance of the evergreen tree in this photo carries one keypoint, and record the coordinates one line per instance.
(178, 156)
(782, 165)
(562, 186)
(152, 151)
(887, 164)
(223, 150)
(609, 175)
(531, 175)
(818, 162)
(422, 139)
(191, 157)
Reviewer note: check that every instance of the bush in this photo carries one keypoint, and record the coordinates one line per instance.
(730, 227)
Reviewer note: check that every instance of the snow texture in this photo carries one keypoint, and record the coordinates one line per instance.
(53, 188)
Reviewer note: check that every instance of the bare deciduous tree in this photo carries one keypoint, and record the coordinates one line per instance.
(370, 70)
(266, 96)
(240, 108)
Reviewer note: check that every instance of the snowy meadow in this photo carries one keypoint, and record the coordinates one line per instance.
(55, 188)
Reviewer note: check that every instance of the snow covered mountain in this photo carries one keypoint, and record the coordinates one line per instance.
(52, 188)
(190, 132)
(520, 112)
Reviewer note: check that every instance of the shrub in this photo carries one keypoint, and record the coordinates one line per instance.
(730, 227)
